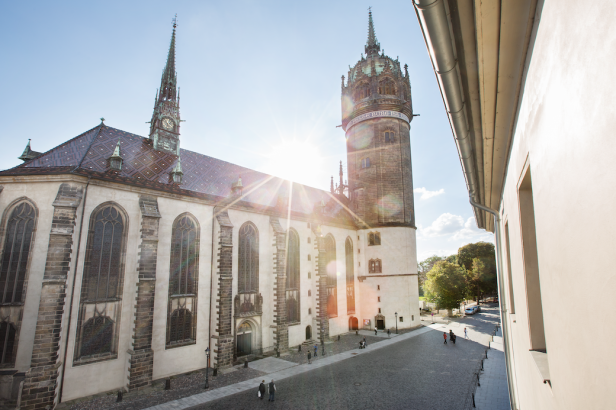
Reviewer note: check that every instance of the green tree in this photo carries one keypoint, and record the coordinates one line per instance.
(423, 268)
(467, 253)
(446, 285)
(479, 261)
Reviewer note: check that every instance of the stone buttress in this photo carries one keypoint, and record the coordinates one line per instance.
(280, 290)
(322, 315)
(41, 382)
(224, 306)
(141, 356)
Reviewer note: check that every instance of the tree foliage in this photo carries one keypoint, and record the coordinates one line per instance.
(424, 267)
(479, 261)
(467, 253)
(446, 285)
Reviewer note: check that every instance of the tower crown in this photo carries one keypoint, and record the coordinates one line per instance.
(376, 82)
(165, 123)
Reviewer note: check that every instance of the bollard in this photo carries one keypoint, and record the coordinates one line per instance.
(473, 399)
(168, 384)
(478, 383)
(357, 332)
(215, 372)
(486, 353)
(119, 399)
(246, 364)
(338, 337)
(277, 353)
(481, 364)
(299, 349)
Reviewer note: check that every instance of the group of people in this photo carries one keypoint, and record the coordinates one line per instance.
(363, 344)
(271, 388)
(452, 336)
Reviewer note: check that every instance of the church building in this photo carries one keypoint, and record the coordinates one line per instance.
(129, 256)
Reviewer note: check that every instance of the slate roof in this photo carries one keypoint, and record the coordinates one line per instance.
(204, 176)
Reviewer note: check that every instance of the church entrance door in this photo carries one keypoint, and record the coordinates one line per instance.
(380, 324)
(308, 332)
(353, 323)
(244, 340)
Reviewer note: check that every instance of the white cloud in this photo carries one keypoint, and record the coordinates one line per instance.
(425, 194)
(455, 227)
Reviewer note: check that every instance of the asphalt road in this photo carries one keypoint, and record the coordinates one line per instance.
(418, 373)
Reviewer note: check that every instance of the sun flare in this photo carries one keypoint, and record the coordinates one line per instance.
(295, 161)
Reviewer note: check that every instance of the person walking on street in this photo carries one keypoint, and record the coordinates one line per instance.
(445, 337)
(262, 389)
(365, 344)
(309, 357)
(316, 350)
(375, 331)
(388, 333)
(452, 337)
(465, 334)
(272, 390)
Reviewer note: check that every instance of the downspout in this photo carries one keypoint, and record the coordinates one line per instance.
(501, 293)
(209, 326)
(70, 306)
(434, 23)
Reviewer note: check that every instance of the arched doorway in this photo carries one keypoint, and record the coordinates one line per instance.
(353, 323)
(379, 321)
(244, 339)
(308, 332)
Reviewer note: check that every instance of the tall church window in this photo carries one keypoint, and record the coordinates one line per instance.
(16, 251)
(248, 264)
(292, 291)
(101, 289)
(362, 91)
(183, 281)
(332, 281)
(7, 343)
(350, 276)
(387, 87)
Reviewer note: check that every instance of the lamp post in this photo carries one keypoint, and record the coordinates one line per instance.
(207, 368)
(396, 322)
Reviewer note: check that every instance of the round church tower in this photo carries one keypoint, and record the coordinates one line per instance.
(376, 116)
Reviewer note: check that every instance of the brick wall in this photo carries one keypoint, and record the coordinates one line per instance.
(41, 382)
(141, 364)
(322, 316)
(224, 301)
(280, 291)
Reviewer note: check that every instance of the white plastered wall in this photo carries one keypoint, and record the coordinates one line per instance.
(565, 130)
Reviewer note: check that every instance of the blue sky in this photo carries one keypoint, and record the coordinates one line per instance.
(259, 81)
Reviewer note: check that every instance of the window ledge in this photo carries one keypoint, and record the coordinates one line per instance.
(95, 359)
(541, 360)
(180, 344)
(294, 323)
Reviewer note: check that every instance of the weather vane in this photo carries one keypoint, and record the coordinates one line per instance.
(175, 20)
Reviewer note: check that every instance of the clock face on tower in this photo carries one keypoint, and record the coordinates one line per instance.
(167, 124)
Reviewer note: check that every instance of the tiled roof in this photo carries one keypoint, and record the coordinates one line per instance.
(204, 176)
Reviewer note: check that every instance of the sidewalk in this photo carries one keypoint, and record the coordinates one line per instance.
(493, 394)
(272, 363)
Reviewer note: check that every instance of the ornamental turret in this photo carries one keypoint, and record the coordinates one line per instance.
(376, 116)
(165, 123)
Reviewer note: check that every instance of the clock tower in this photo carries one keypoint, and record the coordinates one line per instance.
(165, 123)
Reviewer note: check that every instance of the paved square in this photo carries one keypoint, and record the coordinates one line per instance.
(271, 365)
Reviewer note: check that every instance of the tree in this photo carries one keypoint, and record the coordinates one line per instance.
(446, 285)
(479, 261)
(424, 267)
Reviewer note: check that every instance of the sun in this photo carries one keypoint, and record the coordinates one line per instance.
(298, 161)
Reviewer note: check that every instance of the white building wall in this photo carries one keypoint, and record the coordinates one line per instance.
(565, 133)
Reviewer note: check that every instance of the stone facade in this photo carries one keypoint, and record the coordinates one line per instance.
(224, 343)
(142, 356)
(280, 301)
(40, 384)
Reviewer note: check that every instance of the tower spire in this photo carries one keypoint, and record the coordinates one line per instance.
(372, 45)
(165, 123)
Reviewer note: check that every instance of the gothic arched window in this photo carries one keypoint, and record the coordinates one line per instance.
(293, 307)
(16, 252)
(362, 91)
(248, 259)
(7, 343)
(387, 87)
(350, 276)
(183, 278)
(374, 266)
(102, 284)
(332, 282)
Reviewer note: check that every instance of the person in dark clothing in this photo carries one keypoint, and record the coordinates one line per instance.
(365, 344)
(445, 337)
(262, 389)
(375, 332)
(272, 390)
(452, 337)
(388, 333)
(309, 357)
(316, 350)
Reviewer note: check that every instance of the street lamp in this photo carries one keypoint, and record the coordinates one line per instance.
(396, 322)
(207, 368)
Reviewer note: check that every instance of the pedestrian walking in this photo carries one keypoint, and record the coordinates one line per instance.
(272, 390)
(316, 350)
(452, 337)
(388, 333)
(445, 337)
(432, 317)
(375, 331)
(309, 357)
(261, 391)
(365, 344)
(465, 334)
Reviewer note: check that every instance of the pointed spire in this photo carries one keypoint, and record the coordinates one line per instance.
(168, 82)
(331, 185)
(237, 187)
(341, 180)
(28, 153)
(372, 45)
